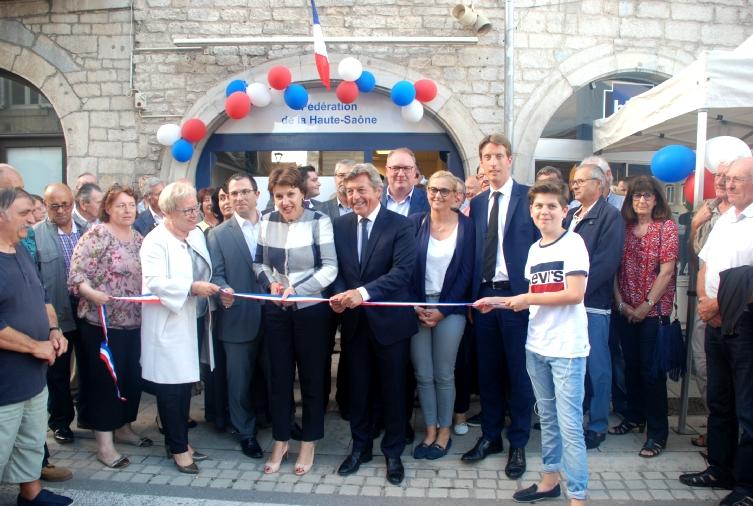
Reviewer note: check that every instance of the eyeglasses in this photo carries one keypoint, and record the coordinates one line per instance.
(188, 211)
(644, 195)
(401, 168)
(124, 206)
(241, 193)
(738, 179)
(60, 207)
(581, 182)
(444, 192)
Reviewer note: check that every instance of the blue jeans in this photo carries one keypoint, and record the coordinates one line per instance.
(599, 367)
(558, 384)
(433, 351)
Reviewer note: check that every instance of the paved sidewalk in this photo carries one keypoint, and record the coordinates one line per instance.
(617, 472)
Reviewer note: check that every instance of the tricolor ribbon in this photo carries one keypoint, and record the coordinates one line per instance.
(105, 355)
(305, 298)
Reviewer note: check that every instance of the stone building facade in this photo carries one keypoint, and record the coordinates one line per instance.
(89, 58)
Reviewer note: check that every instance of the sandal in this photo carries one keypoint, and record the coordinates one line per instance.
(706, 479)
(626, 426)
(652, 448)
(143, 442)
(699, 441)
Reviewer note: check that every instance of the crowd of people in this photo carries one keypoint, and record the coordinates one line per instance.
(159, 288)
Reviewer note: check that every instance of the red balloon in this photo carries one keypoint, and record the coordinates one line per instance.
(708, 186)
(238, 105)
(426, 90)
(347, 92)
(193, 130)
(279, 77)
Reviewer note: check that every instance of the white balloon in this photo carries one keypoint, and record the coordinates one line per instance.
(278, 96)
(259, 93)
(724, 150)
(413, 112)
(168, 134)
(350, 69)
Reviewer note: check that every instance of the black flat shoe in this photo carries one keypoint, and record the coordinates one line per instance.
(353, 461)
(437, 452)
(250, 448)
(516, 463)
(420, 451)
(395, 470)
(736, 498)
(191, 468)
(482, 449)
(707, 479)
(532, 494)
(594, 439)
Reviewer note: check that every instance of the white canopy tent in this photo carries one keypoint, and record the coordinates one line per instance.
(711, 97)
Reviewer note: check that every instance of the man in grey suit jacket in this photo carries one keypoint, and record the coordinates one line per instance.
(232, 246)
(55, 238)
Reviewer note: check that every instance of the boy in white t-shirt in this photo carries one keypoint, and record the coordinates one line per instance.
(557, 343)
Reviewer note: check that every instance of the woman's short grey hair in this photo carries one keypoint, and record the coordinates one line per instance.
(172, 193)
(366, 168)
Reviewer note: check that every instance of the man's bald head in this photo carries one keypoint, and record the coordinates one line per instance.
(58, 198)
(10, 177)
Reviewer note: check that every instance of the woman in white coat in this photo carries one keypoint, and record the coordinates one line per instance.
(176, 268)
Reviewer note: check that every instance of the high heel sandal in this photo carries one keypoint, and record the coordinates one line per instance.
(271, 467)
(300, 468)
(626, 426)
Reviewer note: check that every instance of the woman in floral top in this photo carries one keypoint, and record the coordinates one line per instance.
(644, 295)
(106, 263)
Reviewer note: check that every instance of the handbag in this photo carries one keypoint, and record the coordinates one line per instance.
(670, 343)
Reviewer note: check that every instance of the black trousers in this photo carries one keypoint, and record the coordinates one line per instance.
(60, 401)
(215, 387)
(99, 406)
(730, 401)
(646, 391)
(365, 355)
(173, 406)
(299, 338)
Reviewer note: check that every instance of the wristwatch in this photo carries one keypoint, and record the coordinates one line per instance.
(56, 328)
(650, 302)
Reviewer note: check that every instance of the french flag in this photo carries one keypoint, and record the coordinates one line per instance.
(105, 355)
(320, 50)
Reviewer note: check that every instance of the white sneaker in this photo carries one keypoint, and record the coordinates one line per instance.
(461, 429)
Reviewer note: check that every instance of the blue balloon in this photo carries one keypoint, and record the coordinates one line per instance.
(673, 163)
(403, 93)
(296, 96)
(182, 150)
(367, 82)
(237, 85)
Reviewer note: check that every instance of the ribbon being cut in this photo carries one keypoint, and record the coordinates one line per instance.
(106, 356)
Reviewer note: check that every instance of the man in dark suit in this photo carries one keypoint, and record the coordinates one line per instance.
(376, 252)
(504, 234)
(152, 216)
(232, 246)
(401, 195)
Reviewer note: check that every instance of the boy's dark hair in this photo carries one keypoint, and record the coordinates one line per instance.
(548, 188)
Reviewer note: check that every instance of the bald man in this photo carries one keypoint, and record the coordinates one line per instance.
(55, 238)
(10, 177)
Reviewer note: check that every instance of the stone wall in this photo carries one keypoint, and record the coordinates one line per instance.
(79, 54)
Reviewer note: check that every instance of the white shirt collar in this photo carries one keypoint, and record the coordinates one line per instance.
(74, 228)
(506, 188)
(241, 220)
(747, 212)
(372, 217)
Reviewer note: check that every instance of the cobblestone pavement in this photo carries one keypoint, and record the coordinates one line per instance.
(617, 473)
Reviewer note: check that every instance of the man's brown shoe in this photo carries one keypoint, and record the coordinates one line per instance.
(53, 473)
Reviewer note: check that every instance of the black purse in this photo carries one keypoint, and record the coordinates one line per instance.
(670, 343)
